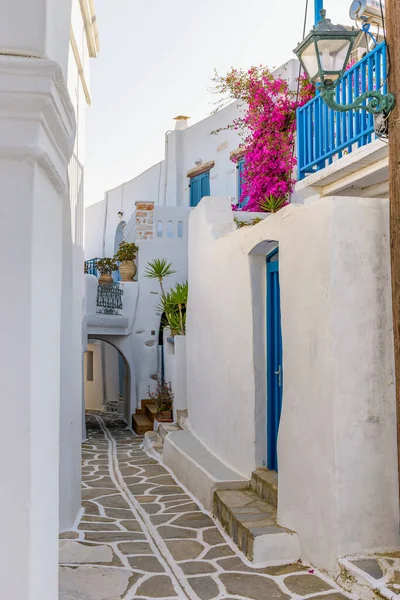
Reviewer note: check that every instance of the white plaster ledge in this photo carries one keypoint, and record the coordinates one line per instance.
(107, 321)
(199, 470)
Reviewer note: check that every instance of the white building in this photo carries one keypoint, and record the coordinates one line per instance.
(289, 346)
(44, 92)
(197, 163)
(290, 352)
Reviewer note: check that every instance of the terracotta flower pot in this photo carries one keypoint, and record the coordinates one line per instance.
(127, 270)
(165, 416)
(105, 278)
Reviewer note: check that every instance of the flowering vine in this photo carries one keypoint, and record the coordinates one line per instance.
(267, 127)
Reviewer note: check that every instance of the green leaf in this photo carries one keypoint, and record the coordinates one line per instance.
(159, 268)
(272, 204)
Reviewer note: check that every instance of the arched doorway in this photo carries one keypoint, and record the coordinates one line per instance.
(102, 378)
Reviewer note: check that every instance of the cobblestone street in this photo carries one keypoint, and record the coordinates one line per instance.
(142, 536)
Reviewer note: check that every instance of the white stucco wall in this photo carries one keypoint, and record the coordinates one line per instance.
(33, 176)
(94, 395)
(144, 342)
(338, 380)
(73, 284)
(175, 369)
(337, 441)
(220, 338)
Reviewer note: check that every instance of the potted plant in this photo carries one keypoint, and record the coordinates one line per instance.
(163, 398)
(126, 255)
(106, 266)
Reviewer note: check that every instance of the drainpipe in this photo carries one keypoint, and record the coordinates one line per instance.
(319, 5)
(166, 166)
(105, 222)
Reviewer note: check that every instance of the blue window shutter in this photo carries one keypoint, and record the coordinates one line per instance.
(241, 203)
(205, 184)
(199, 187)
(195, 189)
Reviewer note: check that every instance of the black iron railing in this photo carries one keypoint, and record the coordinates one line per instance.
(109, 299)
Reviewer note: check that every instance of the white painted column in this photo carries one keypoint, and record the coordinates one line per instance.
(37, 130)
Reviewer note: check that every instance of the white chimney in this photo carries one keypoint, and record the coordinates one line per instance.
(181, 122)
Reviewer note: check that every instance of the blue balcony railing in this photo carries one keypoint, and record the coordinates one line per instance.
(324, 135)
(91, 267)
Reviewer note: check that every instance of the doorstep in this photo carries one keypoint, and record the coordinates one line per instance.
(252, 524)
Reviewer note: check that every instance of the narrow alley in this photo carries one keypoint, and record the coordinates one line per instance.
(143, 536)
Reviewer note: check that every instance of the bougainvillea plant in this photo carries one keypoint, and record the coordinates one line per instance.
(267, 125)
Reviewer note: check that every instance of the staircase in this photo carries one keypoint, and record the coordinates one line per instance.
(249, 517)
(144, 418)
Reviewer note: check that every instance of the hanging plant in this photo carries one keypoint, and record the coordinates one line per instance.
(267, 127)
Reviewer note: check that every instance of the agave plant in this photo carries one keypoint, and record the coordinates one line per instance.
(173, 305)
(159, 269)
(272, 204)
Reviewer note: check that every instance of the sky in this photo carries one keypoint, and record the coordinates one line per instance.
(156, 61)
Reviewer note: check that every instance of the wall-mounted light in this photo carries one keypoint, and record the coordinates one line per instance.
(324, 55)
(120, 213)
(198, 162)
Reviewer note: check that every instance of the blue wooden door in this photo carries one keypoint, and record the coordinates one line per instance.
(274, 361)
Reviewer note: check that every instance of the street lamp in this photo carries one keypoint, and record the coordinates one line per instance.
(324, 55)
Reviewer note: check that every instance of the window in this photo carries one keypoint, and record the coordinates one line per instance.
(170, 229)
(89, 365)
(180, 229)
(159, 229)
(199, 187)
(240, 168)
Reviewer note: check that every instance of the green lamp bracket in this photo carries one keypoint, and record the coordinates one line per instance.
(378, 103)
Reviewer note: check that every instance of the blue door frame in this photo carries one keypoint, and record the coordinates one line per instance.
(274, 361)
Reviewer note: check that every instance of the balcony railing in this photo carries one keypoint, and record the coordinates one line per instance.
(91, 267)
(109, 299)
(324, 135)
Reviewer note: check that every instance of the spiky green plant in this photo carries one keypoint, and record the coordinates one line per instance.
(180, 297)
(173, 305)
(272, 204)
(159, 268)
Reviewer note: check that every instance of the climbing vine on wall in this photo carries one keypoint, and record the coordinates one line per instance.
(267, 126)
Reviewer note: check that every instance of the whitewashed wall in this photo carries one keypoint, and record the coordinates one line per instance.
(33, 177)
(73, 285)
(337, 442)
(147, 320)
(175, 371)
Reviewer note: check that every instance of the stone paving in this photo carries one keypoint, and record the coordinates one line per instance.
(142, 536)
(380, 573)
